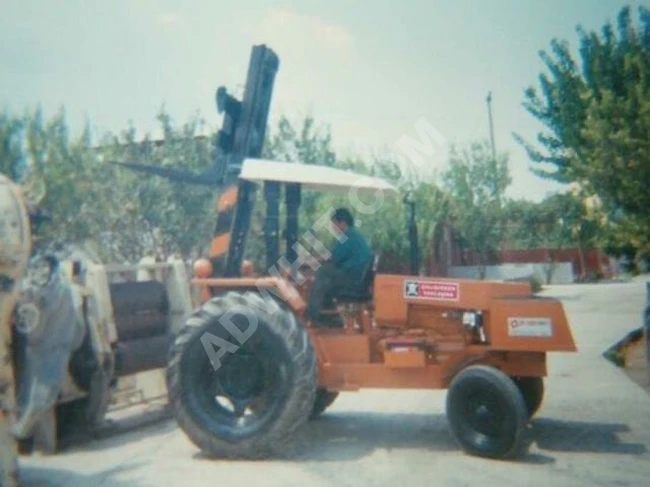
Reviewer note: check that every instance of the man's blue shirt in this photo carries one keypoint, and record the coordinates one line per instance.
(353, 254)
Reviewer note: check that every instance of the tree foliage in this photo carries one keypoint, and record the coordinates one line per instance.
(561, 220)
(381, 217)
(477, 182)
(122, 214)
(596, 113)
(125, 215)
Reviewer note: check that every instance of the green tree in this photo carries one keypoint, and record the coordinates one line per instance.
(559, 221)
(527, 224)
(477, 183)
(597, 119)
(170, 215)
(305, 143)
(384, 220)
(554, 223)
(123, 215)
(16, 156)
(385, 225)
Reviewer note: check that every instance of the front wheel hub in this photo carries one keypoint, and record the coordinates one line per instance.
(241, 377)
(485, 418)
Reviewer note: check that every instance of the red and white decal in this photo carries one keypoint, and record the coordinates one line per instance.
(434, 290)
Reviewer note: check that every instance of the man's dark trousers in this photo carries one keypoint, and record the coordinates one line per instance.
(328, 279)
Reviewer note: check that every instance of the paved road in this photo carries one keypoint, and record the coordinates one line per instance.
(593, 430)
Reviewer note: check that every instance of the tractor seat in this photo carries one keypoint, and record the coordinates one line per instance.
(363, 292)
(353, 295)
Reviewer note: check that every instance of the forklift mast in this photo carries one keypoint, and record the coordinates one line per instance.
(242, 136)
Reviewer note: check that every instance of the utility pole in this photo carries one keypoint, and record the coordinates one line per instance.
(489, 104)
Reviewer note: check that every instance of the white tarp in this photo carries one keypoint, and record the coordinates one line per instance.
(311, 176)
(50, 325)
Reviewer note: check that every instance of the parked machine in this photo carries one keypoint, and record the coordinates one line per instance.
(81, 331)
(247, 369)
(15, 247)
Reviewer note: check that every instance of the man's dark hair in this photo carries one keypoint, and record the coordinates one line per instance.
(343, 215)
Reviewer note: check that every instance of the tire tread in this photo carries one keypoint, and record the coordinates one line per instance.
(283, 323)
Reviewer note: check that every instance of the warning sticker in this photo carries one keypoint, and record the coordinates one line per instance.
(530, 327)
(435, 290)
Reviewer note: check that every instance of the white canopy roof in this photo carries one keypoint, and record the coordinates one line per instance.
(311, 176)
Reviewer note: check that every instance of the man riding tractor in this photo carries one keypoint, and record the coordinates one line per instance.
(351, 256)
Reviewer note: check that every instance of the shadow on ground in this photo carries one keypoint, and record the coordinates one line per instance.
(31, 476)
(583, 436)
(350, 436)
(342, 437)
(111, 437)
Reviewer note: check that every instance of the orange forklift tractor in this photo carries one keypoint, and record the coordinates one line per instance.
(247, 369)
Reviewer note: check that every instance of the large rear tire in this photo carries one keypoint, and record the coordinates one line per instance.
(487, 413)
(324, 399)
(242, 376)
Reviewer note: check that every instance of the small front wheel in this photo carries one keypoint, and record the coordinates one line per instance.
(487, 412)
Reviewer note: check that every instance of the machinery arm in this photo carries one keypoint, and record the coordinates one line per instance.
(242, 136)
(236, 204)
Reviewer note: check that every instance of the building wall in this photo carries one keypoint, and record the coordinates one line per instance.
(561, 273)
(446, 254)
(595, 261)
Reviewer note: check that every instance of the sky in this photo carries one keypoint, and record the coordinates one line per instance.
(368, 70)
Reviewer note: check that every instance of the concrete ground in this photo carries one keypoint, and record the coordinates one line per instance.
(593, 430)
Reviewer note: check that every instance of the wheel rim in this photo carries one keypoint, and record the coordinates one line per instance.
(245, 394)
(483, 416)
